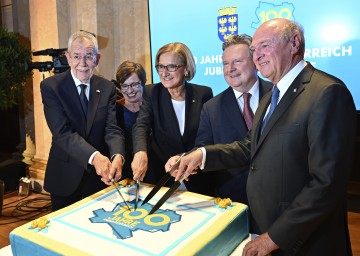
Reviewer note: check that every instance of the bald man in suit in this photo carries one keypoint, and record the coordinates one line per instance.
(300, 159)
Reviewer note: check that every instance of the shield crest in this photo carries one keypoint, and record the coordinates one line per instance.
(227, 26)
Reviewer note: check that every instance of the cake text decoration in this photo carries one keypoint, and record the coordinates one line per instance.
(124, 222)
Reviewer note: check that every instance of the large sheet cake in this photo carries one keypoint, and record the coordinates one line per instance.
(187, 224)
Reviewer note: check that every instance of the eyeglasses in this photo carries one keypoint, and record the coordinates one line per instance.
(87, 58)
(170, 67)
(125, 87)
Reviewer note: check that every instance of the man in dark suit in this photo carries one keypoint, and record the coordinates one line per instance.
(223, 117)
(79, 109)
(301, 160)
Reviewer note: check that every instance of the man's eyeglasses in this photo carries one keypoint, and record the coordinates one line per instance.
(125, 87)
(87, 58)
(170, 67)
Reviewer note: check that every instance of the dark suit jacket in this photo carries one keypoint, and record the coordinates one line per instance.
(157, 130)
(75, 137)
(300, 165)
(222, 121)
(125, 126)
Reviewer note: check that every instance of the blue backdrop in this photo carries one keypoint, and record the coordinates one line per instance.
(332, 33)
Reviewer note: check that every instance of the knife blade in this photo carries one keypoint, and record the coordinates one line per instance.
(166, 196)
(119, 192)
(163, 180)
(137, 193)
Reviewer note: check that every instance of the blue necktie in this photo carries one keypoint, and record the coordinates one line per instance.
(84, 101)
(274, 101)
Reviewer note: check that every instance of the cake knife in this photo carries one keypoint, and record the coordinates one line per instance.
(163, 180)
(118, 190)
(137, 193)
(165, 197)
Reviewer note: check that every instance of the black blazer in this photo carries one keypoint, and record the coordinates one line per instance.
(222, 121)
(299, 165)
(157, 130)
(75, 137)
(126, 171)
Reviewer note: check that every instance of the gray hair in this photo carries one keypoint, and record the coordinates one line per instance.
(291, 28)
(84, 34)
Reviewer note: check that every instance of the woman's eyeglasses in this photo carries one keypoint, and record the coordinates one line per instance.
(125, 87)
(170, 67)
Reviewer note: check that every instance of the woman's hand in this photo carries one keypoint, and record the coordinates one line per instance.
(139, 165)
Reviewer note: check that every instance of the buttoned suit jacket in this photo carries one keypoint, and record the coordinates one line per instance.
(222, 121)
(74, 136)
(299, 165)
(157, 132)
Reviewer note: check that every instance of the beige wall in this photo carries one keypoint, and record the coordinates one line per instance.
(121, 26)
(122, 29)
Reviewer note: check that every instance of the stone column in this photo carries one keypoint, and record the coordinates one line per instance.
(43, 31)
(131, 34)
(26, 147)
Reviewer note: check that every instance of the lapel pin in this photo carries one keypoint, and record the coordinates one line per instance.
(295, 90)
(193, 100)
(98, 91)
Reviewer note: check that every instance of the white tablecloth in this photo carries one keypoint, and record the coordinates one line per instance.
(6, 251)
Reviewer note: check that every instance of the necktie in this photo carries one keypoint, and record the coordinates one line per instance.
(248, 114)
(274, 100)
(83, 99)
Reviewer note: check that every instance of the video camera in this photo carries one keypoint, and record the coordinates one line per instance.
(59, 62)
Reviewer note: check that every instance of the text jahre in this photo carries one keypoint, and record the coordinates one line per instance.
(210, 59)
